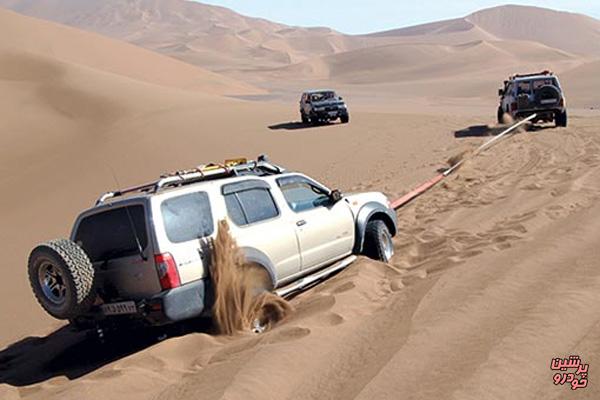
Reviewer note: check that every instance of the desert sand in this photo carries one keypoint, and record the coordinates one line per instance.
(496, 269)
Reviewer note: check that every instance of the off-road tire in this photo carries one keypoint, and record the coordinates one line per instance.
(344, 119)
(304, 118)
(560, 119)
(500, 115)
(376, 242)
(76, 272)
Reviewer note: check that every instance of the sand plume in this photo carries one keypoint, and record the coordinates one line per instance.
(242, 289)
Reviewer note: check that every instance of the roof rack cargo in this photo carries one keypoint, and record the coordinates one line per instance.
(545, 72)
(235, 167)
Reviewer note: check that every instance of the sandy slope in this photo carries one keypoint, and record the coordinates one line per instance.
(574, 33)
(24, 37)
(205, 35)
(495, 274)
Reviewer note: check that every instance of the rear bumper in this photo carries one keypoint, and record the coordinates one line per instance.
(185, 302)
(542, 114)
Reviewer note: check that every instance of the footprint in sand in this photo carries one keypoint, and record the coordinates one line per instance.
(286, 334)
(344, 287)
(331, 319)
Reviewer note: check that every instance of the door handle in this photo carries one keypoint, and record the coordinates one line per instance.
(301, 222)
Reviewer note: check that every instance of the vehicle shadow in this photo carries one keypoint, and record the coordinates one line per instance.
(295, 125)
(66, 352)
(478, 131)
(486, 130)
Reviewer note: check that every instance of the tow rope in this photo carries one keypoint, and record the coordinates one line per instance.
(408, 197)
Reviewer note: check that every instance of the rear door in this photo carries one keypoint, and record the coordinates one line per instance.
(259, 227)
(112, 238)
(325, 231)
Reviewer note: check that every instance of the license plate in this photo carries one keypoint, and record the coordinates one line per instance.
(332, 113)
(125, 307)
(548, 101)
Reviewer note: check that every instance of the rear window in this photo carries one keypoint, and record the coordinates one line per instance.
(187, 217)
(112, 233)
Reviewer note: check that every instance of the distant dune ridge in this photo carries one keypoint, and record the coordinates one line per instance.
(429, 59)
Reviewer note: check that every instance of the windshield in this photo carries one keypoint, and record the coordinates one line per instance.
(110, 234)
(321, 96)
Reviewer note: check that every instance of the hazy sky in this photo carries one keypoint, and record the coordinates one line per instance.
(360, 16)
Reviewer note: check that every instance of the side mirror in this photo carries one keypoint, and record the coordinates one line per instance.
(335, 196)
(500, 92)
(341, 98)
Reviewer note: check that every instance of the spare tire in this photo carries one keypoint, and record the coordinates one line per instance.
(62, 278)
(547, 96)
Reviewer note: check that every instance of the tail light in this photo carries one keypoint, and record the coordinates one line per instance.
(561, 102)
(513, 106)
(167, 271)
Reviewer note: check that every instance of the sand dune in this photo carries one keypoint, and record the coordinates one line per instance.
(414, 62)
(27, 35)
(574, 33)
(484, 279)
(204, 35)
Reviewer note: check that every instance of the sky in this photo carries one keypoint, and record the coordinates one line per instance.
(360, 16)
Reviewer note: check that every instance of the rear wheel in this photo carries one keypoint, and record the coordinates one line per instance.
(378, 243)
(61, 276)
(500, 115)
(561, 119)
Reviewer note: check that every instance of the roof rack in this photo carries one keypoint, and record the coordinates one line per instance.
(236, 167)
(545, 72)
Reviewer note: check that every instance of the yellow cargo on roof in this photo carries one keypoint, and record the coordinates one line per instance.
(235, 161)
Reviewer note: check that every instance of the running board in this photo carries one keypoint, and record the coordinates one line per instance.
(319, 275)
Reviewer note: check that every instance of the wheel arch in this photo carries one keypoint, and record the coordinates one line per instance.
(369, 212)
(253, 255)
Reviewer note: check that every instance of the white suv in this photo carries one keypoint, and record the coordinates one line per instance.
(138, 253)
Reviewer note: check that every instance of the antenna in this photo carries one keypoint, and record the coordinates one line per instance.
(131, 224)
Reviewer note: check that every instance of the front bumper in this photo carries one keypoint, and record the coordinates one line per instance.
(330, 114)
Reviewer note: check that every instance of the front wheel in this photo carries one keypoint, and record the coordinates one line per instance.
(378, 243)
(304, 118)
(500, 115)
(344, 119)
(561, 119)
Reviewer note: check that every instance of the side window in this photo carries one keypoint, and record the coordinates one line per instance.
(302, 194)
(509, 89)
(187, 217)
(247, 204)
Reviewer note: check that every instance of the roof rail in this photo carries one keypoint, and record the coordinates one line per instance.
(545, 72)
(237, 167)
